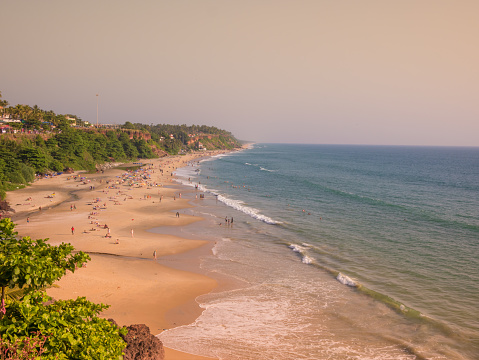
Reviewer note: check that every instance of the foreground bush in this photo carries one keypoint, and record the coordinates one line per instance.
(34, 326)
(71, 329)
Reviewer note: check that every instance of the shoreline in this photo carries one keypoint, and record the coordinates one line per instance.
(124, 275)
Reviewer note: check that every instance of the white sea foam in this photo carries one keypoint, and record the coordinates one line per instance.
(215, 249)
(184, 182)
(301, 250)
(214, 157)
(239, 205)
(186, 172)
(296, 248)
(260, 167)
(193, 184)
(343, 279)
(307, 260)
(207, 214)
(235, 204)
(264, 169)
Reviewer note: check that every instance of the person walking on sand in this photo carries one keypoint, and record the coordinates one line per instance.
(131, 232)
(154, 254)
(73, 230)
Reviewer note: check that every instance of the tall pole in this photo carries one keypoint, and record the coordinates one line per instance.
(97, 110)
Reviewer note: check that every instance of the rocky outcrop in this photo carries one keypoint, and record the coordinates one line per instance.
(159, 152)
(141, 344)
(107, 165)
(5, 207)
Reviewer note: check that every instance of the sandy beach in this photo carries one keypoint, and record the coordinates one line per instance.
(110, 214)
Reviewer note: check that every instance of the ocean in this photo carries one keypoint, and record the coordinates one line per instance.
(339, 252)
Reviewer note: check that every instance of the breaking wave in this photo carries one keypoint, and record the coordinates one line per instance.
(235, 204)
(239, 205)
(305, 259)
(346, 280)
(264, 169)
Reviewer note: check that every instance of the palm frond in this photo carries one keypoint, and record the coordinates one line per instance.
(15, 293)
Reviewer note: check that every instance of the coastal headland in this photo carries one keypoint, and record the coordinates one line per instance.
(108, 215)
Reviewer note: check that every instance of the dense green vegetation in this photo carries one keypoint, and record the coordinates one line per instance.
(26, 155)
(42, 142)
(34, 325)
(175, 138)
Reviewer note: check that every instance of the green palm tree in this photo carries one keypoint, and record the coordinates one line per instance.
(15, 293)
(36, 112)
(4, 104)
(17, 111)
(27, 111)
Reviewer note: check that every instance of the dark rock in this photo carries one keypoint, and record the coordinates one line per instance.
(5, 207)
(141, 344)
(68, 170)
(107, 165)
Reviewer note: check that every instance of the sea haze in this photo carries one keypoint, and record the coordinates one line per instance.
(345, 252)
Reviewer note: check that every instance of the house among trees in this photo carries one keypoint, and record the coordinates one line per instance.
(73, 120)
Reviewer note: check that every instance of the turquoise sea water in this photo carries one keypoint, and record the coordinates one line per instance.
(343, 252)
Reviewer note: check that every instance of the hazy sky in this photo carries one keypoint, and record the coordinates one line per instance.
(402, 72)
